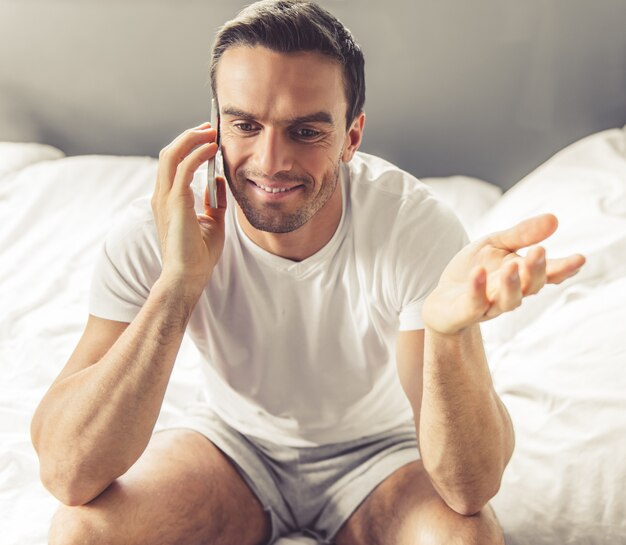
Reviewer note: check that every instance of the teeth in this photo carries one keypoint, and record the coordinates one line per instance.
(270, 190)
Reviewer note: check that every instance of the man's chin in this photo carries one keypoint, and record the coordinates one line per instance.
(282, 225)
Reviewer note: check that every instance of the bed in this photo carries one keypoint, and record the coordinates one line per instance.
(558, 362)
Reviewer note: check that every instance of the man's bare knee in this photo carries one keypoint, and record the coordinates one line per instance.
(183, 489)
(455, 529)
(74, 526)
(480, 529)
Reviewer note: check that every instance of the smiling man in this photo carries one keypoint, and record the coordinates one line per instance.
(336, 303)
(284, 138)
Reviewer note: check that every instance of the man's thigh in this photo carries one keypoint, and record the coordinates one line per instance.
(182, 490)
(405, 509)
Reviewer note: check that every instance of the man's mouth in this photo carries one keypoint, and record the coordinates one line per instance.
(275, 188)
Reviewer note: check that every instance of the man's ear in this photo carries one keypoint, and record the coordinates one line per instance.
(353, 138)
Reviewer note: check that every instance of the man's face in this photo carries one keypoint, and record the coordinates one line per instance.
(282, 127)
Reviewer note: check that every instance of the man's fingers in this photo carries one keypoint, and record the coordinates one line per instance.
(510, 290)
(478, 282)
(187, 168)
(221, 192)
(191, 133)
(533, 270)
(176, 152)
(204, 125)
(562, 268)
(528, 232)
(491, 296)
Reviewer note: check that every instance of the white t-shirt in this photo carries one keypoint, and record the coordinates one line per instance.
(302, 353)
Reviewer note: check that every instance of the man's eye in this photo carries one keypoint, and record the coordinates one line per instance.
(307, 133)
(245, 127)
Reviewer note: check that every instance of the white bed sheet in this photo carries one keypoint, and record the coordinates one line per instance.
(558, 362)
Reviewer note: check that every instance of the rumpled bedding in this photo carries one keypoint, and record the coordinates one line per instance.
(558, 362)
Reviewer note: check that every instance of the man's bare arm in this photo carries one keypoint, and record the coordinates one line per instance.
(98, 416)
(465, 434)
(93, 424)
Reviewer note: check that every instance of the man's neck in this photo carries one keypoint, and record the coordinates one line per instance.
(304, 241)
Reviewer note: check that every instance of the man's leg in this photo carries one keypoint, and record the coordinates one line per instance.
(405, 509)
(183, 490)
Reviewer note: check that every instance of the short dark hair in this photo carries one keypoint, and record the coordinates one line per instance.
(287, 26)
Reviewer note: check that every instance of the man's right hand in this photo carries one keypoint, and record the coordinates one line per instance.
(191, 244)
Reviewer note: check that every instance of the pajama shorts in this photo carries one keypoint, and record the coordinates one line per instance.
(312, 490)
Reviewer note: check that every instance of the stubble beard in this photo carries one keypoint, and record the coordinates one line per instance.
(270, 217)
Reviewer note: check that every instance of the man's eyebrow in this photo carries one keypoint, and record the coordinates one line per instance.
(317, 117)
(235, 112)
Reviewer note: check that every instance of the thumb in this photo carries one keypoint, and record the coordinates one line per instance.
(216, 213)
(451, 308)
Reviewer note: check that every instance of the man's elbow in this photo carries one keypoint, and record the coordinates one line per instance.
(68, 486)
(471, 496)
(468, 498)
(471, 501)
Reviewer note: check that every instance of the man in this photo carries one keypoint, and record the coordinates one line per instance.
(337, 304)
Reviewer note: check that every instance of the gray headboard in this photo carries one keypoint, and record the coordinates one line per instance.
(487, 88)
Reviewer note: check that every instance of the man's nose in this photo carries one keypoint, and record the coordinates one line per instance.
(273, 153)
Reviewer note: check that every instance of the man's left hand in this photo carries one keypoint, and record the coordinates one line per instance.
(487, 277)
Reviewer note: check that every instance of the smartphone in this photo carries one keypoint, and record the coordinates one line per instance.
(212, 185)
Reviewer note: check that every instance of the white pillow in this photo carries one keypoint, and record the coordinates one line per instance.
(584, 185)
(14, 155)
(470, 198)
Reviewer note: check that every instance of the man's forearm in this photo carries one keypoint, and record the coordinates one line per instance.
(466, 437)
(93, 425)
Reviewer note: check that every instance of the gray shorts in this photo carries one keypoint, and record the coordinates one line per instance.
(312, 490)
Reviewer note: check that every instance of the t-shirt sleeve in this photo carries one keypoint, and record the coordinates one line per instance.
(425, 243)
(127, 265)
